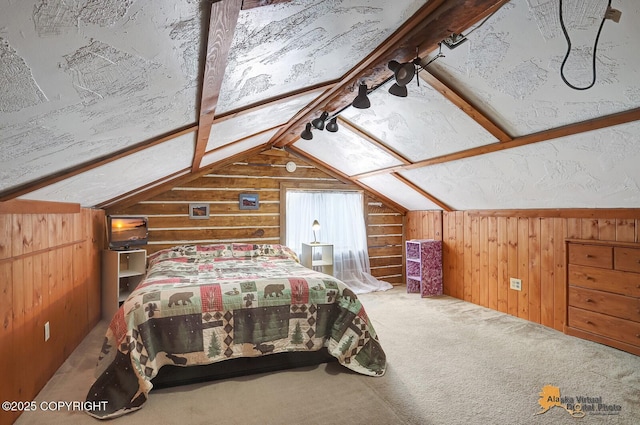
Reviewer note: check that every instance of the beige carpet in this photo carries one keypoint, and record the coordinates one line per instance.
(449, 362)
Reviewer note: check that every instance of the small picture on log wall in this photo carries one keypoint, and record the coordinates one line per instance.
(198, 211)
(249, 201)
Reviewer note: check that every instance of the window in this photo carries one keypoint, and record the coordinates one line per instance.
(341, 218)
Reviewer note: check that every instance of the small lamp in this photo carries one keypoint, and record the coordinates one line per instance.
(319, 122)
(306, 133)
(403, 73)
(315, 226)
(332, 126)
(361, 101)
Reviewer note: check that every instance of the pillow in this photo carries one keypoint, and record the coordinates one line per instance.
(266, 250)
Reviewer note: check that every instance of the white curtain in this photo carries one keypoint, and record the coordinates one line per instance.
(341, 219)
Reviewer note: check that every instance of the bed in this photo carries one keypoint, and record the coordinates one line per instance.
(204, 304)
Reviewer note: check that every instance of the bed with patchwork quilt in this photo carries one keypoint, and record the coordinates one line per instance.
(203, 304)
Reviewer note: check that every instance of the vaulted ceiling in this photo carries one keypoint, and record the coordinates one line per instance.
(105, 103)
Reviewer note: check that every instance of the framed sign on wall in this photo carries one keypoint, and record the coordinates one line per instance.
(198, 211)
(249, 201)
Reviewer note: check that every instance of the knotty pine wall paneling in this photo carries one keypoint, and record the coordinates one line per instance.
(261, 174)
(483, 249)
(385, 235)
(49, 272)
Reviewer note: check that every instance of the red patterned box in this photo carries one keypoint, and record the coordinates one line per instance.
(424, 267)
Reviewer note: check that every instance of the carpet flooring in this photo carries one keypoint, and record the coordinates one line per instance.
(449, 362)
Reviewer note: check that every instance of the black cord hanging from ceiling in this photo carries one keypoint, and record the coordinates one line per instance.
(566, 56)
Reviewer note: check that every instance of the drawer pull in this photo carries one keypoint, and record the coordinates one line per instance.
(589, 256)
(589, 322)
(593, 279)
(589, 300)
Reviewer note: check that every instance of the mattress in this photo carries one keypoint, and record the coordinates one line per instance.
(203, 304)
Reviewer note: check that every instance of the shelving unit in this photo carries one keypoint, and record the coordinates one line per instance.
(424, 266)
(122, 271)
(324, 263)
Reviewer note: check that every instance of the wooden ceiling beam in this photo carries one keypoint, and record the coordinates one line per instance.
(222, 26)
(139, 193)
(158, 189)
(542, 136)
(373, 140)
(423, 31)
(422, 192)
(73, 171)
(326, 168)
(461, 102)
(271, 102)
(250, 4)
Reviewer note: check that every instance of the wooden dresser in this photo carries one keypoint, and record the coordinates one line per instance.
(603, 293)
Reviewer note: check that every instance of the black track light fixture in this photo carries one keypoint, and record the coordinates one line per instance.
(397, 90)
(319, 122)
(403, 74)
(332, 126)
(362, 101)
(306, 133)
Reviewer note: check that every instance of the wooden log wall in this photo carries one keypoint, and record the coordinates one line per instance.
(483, 249)
(263, 174)
(49, 272)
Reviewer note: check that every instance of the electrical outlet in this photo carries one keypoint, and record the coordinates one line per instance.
(515, 284)
(47, 333)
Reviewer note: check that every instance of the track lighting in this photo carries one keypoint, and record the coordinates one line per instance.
(400, 91)
(319, 122)
(306, 133)
(332, 126)
(361, 101)
(403, 74)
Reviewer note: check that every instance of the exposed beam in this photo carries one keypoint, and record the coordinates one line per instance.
(289, 133)
(457, 99)
(169, 180)
(156, 190)
(142, 189)
(424, 30)
(274, 101)
(222, 26)
(343, 177)
(250, 4)
(374, 140)
(554, 133)
(423, 192)
(73, 171)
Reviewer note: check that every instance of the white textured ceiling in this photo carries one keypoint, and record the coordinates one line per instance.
(83, 81)
(288, 47)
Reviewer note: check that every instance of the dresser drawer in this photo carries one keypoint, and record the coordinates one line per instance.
(591, 255)
(601, 324)
(619, 282)
(605, 302)
(627, 259)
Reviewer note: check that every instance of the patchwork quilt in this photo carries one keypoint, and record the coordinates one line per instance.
(201, 304)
